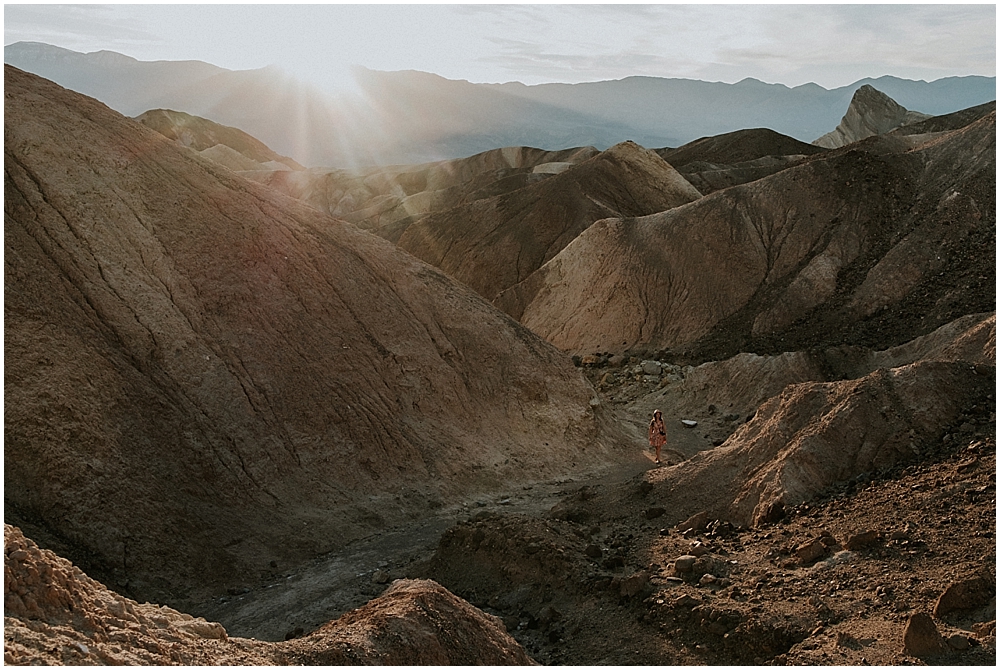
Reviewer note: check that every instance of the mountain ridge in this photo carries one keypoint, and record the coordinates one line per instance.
(648, 110)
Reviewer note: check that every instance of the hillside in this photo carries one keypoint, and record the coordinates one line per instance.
(872, 243)
(215, 141)
(54, 614)
(714, 163)
(493, 243)
(198, 387)
(390, 197)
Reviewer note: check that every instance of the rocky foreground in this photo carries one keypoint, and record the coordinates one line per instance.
(54, 614)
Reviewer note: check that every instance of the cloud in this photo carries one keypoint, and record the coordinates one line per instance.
(78, 27)
(534, 43)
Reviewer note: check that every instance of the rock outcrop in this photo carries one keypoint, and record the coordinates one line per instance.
(871, 112)
(203, 376)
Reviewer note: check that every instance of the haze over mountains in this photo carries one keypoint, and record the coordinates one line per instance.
(413, 117)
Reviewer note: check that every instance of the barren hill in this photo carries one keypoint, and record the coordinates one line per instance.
(714, 163)
(861, 246)
(946, 122)
(395, 195)
(205, 136)
(493, 243)
(737, 147)
(205, 379)
(871, 112)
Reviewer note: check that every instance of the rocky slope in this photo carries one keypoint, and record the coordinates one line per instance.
(494, 243)
(871, 112)
(871, 244)
(54, 614)
(206, 380)
(876, 543)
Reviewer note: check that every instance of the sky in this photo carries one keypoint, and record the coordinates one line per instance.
(831, 45)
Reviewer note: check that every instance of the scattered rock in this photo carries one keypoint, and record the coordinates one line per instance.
(654, 512)
(634, 584)
(810, 551)
(861, 540)
(697, 522)
(209, 630)
(958, 642)
(705, 564)
(698, 549)
(985, 629)
(686, 601)
(651, 368)
(593, 551)
(380, 577)
(921, 637)
(966, 594)
(689, 423)
(684, 563)
(548, 615)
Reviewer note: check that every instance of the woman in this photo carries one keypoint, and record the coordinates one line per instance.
(657, 434)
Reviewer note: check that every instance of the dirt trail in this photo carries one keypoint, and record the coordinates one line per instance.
(301, 600)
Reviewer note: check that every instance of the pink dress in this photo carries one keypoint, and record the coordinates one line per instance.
(657, 433)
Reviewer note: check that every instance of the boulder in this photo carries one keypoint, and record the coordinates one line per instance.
(684, 563)
(634, 584)
(921, 636)
(965, 594)
(810, 551)
(651, 368)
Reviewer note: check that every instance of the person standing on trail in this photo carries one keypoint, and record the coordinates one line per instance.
(657, 433)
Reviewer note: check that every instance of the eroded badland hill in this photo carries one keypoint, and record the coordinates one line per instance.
(279, 404)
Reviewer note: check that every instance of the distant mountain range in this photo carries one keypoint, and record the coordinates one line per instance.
(410, 117)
